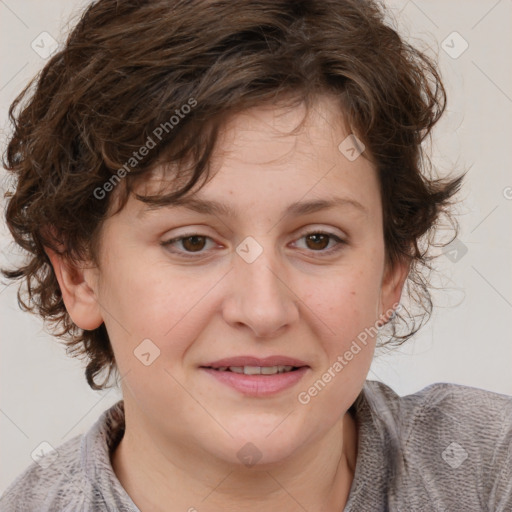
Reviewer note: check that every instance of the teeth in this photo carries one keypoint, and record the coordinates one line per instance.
(257, 370)
(252, 370)
(269, 370)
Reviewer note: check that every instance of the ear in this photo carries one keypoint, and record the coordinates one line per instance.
(78, 295)
(391, 288)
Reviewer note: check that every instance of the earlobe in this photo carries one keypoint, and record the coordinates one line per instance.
(78, 295)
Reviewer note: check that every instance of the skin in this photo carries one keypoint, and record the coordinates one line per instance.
(183, 428)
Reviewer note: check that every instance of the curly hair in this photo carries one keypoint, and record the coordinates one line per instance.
(172, 72)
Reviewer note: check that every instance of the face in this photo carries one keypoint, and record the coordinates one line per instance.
(264, 278)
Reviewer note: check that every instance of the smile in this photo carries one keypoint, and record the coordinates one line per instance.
(257, 381)
(257, 370)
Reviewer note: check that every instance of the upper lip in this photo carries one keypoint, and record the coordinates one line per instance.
(277, 360)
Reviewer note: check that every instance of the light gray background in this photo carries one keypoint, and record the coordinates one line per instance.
(44, 395)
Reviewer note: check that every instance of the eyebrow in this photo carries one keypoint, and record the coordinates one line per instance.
(212, 207)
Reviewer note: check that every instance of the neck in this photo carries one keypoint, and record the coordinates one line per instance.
(156, 474)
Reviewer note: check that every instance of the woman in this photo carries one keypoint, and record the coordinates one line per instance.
(223, 202)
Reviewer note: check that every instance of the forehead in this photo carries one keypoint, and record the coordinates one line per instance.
(265, 155)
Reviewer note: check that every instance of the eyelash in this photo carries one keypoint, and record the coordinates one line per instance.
(191, 255)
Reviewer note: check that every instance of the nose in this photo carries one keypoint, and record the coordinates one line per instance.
(260, 296)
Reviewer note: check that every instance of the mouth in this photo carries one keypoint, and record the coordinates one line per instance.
(251, 365)
(257, 377)
(256, 370)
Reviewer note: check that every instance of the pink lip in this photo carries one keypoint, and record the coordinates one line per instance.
(256, 361)
(258, 385)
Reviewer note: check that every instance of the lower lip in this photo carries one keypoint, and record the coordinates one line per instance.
(258, 385)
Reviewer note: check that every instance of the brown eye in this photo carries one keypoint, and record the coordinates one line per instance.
(187, 245)
(193, 243)
(319, 241)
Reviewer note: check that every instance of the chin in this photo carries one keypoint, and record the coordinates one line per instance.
(257, 450)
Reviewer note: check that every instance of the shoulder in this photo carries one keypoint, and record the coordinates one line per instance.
(455, 441)
(77, 476)
(54, 482)
(445, 404)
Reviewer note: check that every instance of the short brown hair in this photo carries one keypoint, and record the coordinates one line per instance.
(128, 67)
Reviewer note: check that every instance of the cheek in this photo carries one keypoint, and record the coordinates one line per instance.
(347, 300)
(157, 303)
(346, 305)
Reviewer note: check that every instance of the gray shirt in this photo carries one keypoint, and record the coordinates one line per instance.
(445, 448)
